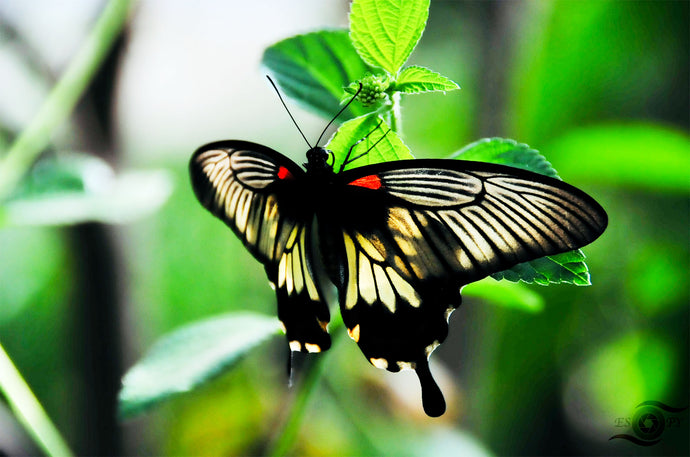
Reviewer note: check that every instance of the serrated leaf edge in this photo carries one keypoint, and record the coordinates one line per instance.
(445, 80)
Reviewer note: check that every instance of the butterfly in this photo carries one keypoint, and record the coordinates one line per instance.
(398, 240)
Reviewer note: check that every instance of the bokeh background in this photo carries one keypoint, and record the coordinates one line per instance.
(599, 87)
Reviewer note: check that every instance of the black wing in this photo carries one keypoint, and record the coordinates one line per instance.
(415, 232)
(257, 192)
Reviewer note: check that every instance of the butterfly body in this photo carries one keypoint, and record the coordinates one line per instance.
(317, 162)
(398, 240)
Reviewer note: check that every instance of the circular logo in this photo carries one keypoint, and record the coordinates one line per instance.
(648, 423)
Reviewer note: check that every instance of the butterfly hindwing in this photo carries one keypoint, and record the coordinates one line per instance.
(397, 321)
(258, 193)
(301, 307)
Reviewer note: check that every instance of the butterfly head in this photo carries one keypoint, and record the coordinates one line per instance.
(317, 156)
(317, 160)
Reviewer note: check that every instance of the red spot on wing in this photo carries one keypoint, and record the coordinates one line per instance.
(370, 182)
(284, 173)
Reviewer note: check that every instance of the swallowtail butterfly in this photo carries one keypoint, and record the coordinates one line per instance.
(398, 240)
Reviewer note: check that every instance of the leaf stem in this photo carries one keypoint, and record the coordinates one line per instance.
(63, 97)
(28, 409)
(290, 429)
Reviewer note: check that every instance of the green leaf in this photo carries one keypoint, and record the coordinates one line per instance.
(568, 267)
(66, 172)
(415, 80)
(365, 133)
(314, 68)
(191, 356)
(384, 32)
(75, 188)
(504, 294)
(506, 152)
(637, 155)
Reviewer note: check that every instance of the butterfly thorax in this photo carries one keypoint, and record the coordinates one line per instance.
(317, 162)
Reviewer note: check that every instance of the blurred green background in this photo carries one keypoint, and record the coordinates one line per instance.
(601, 88)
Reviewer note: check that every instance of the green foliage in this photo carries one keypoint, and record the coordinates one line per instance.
(382, 36)
(64, 96)
(415, 80)
(384, 33)
(190, 357)
(71, 172)
(569, 267)
(506, 152)
(368, 133)
(74, 188)
(28, 410)
(586, 358)
(507, 295)
(321, 70)
(16, 159)
(372, 90)
(653, 276)
(562, 76)
(36, 263)
(636, 156)
(633, 357)
(314, 68)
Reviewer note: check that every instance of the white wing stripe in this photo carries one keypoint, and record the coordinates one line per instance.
(471, 239)
(520, 225)
(514, 224)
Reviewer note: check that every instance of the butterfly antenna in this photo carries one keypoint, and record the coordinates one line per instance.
(340, 112)
(288, 111)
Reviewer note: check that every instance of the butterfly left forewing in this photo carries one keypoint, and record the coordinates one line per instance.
(466, 220)
(259, 194)
(415, 232)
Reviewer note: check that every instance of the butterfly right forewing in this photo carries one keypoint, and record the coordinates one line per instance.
(259, 194)
(241, 183)
(414, 232)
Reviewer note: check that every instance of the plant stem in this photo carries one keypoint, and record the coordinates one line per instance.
(64, 96)
(28, 410)
(395, 114)
(288, 435)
